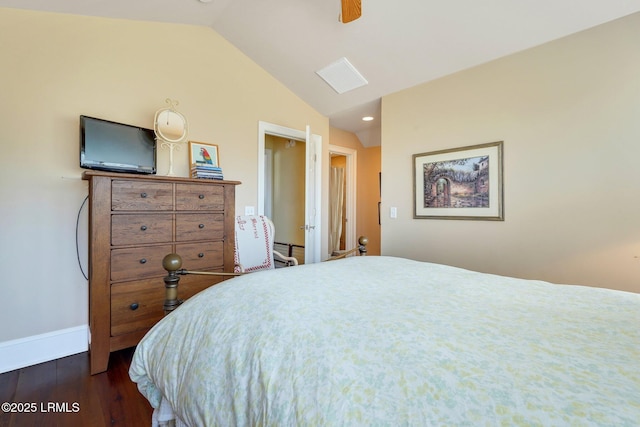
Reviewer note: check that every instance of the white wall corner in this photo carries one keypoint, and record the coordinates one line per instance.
(41, 348)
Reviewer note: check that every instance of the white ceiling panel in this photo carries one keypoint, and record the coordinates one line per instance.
(394, 45)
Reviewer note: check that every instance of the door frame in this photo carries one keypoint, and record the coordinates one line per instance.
(265, 128)
(351, 156)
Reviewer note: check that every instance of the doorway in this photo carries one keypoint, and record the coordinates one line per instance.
(346, 158)
(337, 203)
(285, 193)
(308, 173)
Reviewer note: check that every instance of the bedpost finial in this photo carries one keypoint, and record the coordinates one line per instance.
(363, 242)
(172, 262)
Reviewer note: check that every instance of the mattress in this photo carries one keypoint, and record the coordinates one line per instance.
(384, 341)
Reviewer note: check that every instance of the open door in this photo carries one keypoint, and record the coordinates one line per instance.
(312, 196)
(312, 177)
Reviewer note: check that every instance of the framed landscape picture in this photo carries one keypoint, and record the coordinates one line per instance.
(459, 183)
(203, 154)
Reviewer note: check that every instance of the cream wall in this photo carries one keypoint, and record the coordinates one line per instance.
(569, 115)
(56, 67)
(369, 195)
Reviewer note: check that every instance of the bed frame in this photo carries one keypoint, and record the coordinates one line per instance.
(173, 263)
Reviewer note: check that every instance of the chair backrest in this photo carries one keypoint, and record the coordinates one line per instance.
(254, 243)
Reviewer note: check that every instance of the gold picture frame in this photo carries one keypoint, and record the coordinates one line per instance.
(203, 154)
(459, 183)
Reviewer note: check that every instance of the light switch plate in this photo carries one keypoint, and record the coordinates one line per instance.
(249, 210)
(393, 212)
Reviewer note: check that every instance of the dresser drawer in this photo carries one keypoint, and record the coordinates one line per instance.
(191, 284)
(141, 229)
(136, 305)
(199, 227)
(135, 263)
(194, 197)
(198, 256)
(138, 196)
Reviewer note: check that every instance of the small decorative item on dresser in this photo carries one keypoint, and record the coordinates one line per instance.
(171, 129)
(205, 161)
(202, 154)
(206, 172)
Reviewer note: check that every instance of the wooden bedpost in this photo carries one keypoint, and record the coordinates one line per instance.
(172, 264)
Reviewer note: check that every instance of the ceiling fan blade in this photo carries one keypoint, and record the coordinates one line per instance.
(351, 10)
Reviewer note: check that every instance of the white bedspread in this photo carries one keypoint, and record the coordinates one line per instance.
(382, 341)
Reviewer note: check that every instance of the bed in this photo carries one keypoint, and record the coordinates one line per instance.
(384, 341)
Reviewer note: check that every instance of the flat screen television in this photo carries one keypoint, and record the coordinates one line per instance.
(116, 147)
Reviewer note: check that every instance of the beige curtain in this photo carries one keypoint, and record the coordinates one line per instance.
(336, 201)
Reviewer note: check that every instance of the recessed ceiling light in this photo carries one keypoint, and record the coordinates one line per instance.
(206, 1)
(367, 118)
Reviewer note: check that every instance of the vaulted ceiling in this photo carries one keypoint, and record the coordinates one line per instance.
(394, 45)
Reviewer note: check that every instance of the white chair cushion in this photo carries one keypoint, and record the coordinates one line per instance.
(253, 243)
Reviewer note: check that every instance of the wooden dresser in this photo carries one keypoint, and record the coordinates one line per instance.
(134, 221)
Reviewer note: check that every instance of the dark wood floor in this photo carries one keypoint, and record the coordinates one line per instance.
(107, 399)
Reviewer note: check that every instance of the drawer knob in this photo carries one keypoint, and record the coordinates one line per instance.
(200, 255)
(201, 226)
(134, 306)
(143, 228)
(143, 195)
(201, 196)
(143, 261)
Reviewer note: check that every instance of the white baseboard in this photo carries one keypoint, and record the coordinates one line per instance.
(41, 348)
